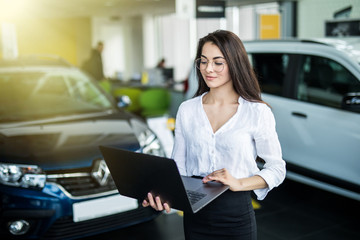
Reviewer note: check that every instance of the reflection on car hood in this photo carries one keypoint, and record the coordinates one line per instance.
(67, 144)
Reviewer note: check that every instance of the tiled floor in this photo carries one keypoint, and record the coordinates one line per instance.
(291, 212)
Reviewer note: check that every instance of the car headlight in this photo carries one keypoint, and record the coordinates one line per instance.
(148, 141)
(19, 175)
(150, 144)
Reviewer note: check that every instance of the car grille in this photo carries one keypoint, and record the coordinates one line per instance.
(78, 186)
(82, 183)
(66, 228)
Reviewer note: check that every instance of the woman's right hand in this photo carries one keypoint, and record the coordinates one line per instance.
(155, 203)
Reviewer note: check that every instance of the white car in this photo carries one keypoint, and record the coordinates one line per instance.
(313, 87)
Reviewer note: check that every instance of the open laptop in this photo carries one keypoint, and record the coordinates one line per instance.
(136, 174)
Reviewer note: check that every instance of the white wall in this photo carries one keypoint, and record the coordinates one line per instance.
(247, 23)
(177, 44)
(123, 53)
(179, 37)
(312, 15)
(111, 33)
(150, 46)
(167, 39)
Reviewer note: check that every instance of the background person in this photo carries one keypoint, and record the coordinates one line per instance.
(218, 136)
(161, 63)
(94, 65)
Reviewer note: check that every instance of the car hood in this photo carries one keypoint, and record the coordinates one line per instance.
(55, 145)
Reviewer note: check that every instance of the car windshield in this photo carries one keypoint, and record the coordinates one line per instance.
(31, 95)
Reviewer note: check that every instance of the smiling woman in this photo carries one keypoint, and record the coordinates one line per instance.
(227, 108)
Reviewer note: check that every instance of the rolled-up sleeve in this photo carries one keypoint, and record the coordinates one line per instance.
(268, 148)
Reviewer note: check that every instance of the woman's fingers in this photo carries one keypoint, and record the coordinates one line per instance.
(221, 175)
(217, 175)
(151, 201)
(145, 203)
(156, 203)
(167, 207)
(159, 205)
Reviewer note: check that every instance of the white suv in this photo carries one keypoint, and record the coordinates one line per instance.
(313, 88)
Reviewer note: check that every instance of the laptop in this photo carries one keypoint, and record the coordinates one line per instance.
(135, 174)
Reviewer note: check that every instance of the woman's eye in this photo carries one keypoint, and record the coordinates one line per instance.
(219, 63)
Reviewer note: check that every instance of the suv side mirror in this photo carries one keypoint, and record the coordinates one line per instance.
(351, 102)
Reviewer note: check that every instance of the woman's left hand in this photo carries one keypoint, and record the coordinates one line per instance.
(223, 176)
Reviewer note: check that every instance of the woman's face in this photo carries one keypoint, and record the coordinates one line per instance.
(213, 67)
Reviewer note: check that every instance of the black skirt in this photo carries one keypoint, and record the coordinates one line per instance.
(230, 216)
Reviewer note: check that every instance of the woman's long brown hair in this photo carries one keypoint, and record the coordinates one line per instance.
(241, 72)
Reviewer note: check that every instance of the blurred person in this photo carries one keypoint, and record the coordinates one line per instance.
(94, 65)
(219, 133)
(161, 63)
(163, 76)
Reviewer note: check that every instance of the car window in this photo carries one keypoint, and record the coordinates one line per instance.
(33, 95)
(82, 89)
(270, 69)
(324, 81)
(52, 85)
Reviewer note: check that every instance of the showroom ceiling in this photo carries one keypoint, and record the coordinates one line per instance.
(83, 8)
(87, 8)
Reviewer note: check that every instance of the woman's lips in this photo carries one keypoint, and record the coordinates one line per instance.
(209, 78)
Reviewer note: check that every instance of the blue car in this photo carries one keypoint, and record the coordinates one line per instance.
(54, 183)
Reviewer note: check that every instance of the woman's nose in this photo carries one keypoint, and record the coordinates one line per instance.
(209, 67)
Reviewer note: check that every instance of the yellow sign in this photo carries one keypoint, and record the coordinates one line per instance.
(269, 26)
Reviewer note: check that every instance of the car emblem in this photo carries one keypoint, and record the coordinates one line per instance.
(100, 172)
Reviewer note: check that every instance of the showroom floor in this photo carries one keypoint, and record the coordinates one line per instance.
(291, 212)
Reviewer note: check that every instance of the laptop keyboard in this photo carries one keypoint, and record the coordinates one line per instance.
(194, 197)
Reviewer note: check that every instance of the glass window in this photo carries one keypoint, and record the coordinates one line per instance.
(324, 81)
(271, 70)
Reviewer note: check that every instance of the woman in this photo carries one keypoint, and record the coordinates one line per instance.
(219, 134)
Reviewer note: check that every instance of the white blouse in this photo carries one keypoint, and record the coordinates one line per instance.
(249, 133)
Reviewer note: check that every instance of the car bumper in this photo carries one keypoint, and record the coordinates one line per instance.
(51, 216)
